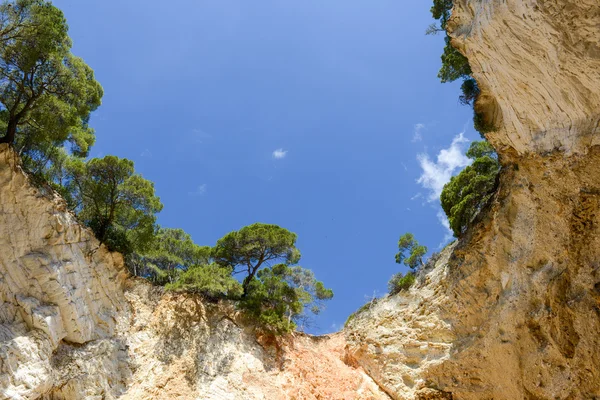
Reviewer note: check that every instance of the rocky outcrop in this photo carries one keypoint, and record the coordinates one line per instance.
(59, 291)
(538, 65)
(73, 325)
(513, 310)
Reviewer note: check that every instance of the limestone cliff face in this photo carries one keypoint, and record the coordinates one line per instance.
(59, 292)
(513, 310)
(538, 64)
(74, 326)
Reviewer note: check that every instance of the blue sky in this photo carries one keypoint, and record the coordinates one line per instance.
(324, 117)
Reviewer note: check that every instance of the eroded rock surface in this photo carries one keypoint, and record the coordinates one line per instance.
(58, 290)
(514, 312)
(74, 326)
(538, 64)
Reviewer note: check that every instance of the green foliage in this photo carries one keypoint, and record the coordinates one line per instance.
(247, 250)
(411, 253)
(400, 282)
(46, 93)
(172, 252)
(454, 64)
(279, 297)
(117, 204)
(470, 92)
(212, 281)
(441, 11)
(468, 192)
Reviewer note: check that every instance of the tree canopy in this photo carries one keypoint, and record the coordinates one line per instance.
(468, 192)
(274, 293)
(117, 204)
(171, 253)
(46, 93)
(255, 246)
(280, 297)
(410, 253)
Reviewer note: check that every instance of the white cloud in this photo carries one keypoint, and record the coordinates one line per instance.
(200, 190)
(417, 132)
(437, 173)
(417, 196)
(279, 154)
(446, 224)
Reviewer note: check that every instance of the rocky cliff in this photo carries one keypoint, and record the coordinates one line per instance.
(513, 310)
(73, 325)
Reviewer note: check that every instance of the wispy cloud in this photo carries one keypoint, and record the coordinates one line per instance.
(146, 153)
(279, 154)
(418, 132)
(199, 136)
(200, 190)
(437, 173)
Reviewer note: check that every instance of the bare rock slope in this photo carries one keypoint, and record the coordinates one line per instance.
(513, 310)
(74, 326)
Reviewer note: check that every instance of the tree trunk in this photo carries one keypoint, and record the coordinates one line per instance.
(11, 131)
(246, 282)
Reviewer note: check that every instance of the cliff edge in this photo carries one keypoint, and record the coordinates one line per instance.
(74, 325)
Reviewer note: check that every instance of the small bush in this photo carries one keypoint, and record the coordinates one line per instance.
(400, 282)
(211, 281)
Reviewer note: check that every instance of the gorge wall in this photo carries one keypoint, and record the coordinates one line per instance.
(74, 325)
(512, 311)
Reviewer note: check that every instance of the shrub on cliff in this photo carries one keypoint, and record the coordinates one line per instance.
(456, 66)
(400, 282)
(212, 281)
(468, 192)
(171, 253)
(410, 252)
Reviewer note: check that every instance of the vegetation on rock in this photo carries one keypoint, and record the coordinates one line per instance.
(116, 203)
(250, 248)
(468, 192)
(400, 282)
(456, 66)
(410, 252)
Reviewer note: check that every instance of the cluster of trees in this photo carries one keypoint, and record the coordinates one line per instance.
(271, 289)
(46, 97)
